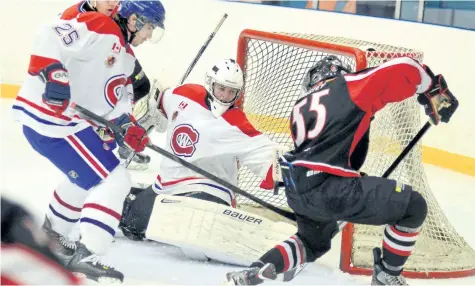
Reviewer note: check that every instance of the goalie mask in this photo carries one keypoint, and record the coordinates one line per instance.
(328, 67)
(223, 82)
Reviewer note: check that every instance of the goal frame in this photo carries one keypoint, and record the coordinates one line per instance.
(360, 57)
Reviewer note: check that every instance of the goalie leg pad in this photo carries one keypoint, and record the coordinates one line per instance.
(219, 232)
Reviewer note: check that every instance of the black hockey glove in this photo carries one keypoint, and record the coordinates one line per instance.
(438, 101)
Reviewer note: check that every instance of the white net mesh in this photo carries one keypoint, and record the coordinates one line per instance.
(274, 68)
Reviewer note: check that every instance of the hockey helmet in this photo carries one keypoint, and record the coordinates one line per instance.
(151, 12)
(328, 67)
(223, 82)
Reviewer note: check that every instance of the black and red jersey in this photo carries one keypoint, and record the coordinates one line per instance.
(330, 123)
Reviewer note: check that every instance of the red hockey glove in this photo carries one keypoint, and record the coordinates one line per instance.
(57, 91)
(438, 101)
(134, 136)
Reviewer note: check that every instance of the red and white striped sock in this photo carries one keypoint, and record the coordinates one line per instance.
(398, 244)
(286, 255)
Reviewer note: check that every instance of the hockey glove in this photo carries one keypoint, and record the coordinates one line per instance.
(57, 91)
(134, 136)
(147, 112)
(438, 101)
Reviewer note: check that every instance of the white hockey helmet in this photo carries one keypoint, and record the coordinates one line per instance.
(224, 82)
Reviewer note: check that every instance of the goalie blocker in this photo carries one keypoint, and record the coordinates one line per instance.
(204, 226)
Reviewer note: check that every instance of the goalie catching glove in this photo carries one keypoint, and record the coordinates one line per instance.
(134, 136)
(146, 110)
(438, 101)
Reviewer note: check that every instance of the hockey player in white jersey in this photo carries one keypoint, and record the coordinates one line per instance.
(141, 31)
(191, 211)
(86, 60)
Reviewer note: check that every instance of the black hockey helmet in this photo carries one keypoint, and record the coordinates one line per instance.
(328, 67)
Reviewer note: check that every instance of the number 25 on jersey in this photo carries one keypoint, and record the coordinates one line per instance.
(301, 116)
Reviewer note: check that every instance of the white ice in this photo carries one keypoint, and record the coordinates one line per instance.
(30, 179)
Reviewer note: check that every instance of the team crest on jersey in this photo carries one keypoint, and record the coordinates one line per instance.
(184, 139)
(110, 61)
(114, 89)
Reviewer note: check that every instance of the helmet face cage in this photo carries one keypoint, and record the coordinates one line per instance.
(328, 67)
(215, 84)
(225, 74)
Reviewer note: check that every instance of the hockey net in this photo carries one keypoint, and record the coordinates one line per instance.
(274, 65)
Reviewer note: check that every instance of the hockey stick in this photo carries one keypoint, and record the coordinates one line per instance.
(203, 48)
(118, 130)
(289, 215)
(289, 275)
(407, 149)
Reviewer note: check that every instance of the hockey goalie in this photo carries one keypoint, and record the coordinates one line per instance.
(194, 213)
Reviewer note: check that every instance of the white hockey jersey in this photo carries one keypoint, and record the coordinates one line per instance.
(99, 62)
(213, 144)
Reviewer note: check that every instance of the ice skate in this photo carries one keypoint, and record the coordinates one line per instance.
(382, 278)
(64, 248)
(252, 276)
(86, 264)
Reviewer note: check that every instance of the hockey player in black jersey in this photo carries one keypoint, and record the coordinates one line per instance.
(330, 129)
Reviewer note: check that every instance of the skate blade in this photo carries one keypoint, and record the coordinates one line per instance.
(101, 280)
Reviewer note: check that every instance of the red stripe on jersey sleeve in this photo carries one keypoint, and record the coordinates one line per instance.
(101, 24)
(392, 81)
(38, 62)
(236, 117)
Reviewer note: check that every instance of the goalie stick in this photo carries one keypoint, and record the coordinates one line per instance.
(289, 275)
(119, 130)
(289, 215)
(203, 48)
